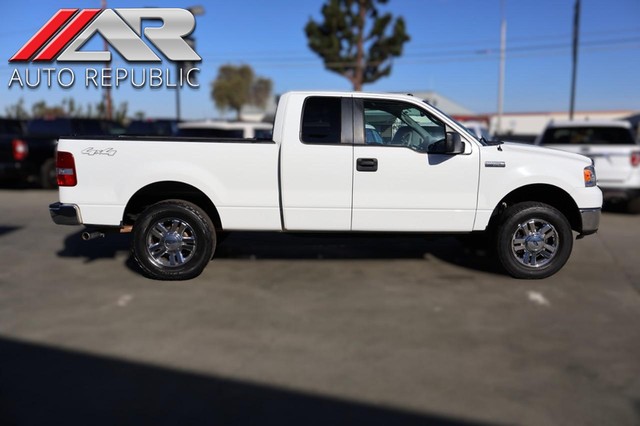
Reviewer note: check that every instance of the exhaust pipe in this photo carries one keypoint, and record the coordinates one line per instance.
(91, 234)
(86, 236)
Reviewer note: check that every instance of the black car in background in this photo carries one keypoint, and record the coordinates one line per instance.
(27, 151)
(13, 149)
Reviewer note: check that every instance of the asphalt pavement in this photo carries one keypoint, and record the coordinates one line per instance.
(300, 330)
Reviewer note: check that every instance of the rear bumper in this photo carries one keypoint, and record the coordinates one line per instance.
(65, 214)
(590, 220)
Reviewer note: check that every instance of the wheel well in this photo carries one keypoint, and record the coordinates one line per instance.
(160, 191)
(548, 194)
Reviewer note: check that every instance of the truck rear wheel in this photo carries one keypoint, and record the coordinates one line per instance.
(534, 240)
(173, 240)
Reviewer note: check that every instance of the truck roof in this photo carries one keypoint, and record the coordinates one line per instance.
(380, 95)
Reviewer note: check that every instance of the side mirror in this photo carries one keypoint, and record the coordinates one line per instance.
(453, 144)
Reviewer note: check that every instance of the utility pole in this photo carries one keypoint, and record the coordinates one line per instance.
(185, 66)
(503, 48)
(178, 69)
(574, 71)
(108, 109)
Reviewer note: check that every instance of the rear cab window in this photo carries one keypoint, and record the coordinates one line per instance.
(322, 120)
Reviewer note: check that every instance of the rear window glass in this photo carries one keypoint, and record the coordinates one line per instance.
(65, 127)
(263, 134)
(10, 127)
(49, 127)
(150, 128)
(212, 133)
(321, 120)
(588, 136)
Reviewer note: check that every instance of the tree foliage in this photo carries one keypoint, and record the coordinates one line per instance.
(237, 86)
(356, 41)
(17, 110)
(67, 108)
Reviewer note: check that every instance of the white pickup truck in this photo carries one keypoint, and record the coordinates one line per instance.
(422, 173)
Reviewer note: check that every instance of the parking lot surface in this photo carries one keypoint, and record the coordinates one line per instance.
(283, 329)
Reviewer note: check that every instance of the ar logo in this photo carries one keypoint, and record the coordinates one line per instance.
(69, 29)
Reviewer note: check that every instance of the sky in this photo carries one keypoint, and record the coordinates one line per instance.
(453, 50)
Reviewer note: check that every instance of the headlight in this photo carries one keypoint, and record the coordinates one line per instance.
(589, 176)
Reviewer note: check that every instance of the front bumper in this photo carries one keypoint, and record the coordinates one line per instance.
(65, 214)
(590, 220)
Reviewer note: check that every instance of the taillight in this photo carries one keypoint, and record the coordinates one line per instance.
(20, 149)
(66, 169)
(635, 158)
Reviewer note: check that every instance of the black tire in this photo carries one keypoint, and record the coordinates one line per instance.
(173, 240)
(533, 240)
(48, 176)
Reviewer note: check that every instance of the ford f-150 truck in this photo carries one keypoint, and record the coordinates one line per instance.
(424, 173)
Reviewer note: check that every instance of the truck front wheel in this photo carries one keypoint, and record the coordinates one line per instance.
(173, 240)
(534, 240)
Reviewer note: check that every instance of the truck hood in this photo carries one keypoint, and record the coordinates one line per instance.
(538, 151)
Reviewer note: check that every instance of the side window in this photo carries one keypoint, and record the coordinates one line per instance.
(321, 120)
(402, 124)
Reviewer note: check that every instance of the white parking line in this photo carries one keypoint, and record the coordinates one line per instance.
(538, 298)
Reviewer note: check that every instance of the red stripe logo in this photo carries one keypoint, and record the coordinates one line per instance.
(67, 34)
(43, 35)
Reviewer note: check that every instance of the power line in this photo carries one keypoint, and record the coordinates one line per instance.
(457, 55)
(429, 46)
(450, 54)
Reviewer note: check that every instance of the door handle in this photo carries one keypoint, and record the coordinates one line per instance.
(367, 164)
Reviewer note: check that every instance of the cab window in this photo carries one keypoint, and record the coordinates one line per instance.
(391, 123)
(321, 120)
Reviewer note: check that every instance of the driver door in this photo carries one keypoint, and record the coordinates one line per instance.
(397, 184)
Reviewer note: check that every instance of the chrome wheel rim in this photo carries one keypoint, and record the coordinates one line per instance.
(171, 243)
(535, 243)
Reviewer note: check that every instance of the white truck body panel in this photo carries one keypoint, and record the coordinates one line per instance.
(316, 179)
(540, 166)
(241, 179)
(414, 191)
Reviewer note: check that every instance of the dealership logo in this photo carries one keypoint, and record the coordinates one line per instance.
(69, 29)
(63, 37)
